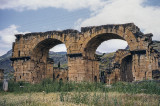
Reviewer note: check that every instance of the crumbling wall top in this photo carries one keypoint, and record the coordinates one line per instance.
(130, 26)
(59, 33)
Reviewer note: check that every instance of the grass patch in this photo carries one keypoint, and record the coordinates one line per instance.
(47, 85)
(52, 86)
(79, 99)
(147, 87)
(52, 93)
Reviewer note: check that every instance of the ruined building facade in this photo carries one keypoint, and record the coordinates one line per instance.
(30, 54)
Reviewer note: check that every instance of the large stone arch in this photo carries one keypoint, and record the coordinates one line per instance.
(29, 56)
(90, 48)
(96, 35)
(42, 48)
(43, 65)
(122, 65)
(92, 37)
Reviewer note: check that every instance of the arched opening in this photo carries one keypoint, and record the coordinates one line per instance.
(59, 54)
(44, 59)
(126, 69)
(109, 52)
(96, 41)
(114, 56)
(106, 51)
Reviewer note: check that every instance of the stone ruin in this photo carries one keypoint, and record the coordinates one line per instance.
(31, 63)
(60, 74)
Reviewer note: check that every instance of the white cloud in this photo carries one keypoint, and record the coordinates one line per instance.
(36, 4)
(147, 18)
(7, 37)
(77, 24)
(112, 46)
(7, 34)
(59, 48)
(126, 11)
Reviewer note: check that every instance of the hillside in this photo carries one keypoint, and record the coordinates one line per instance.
(59, 57)
(105, 61)
(5, 62)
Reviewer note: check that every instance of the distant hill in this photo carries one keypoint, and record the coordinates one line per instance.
(7, 55)
(59, 57)
(5, 62)
(105, 61)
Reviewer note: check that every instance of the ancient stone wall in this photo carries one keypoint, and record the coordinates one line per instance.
(134, 66)
(30, 53)
(60, 74)
(121, 67)
(50, 69)
(83, 70)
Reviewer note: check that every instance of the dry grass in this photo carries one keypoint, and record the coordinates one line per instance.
(32, 99)
(99, 99)
(134, 99)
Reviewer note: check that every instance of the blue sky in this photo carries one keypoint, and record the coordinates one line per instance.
(42, 19)
(22, 16)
